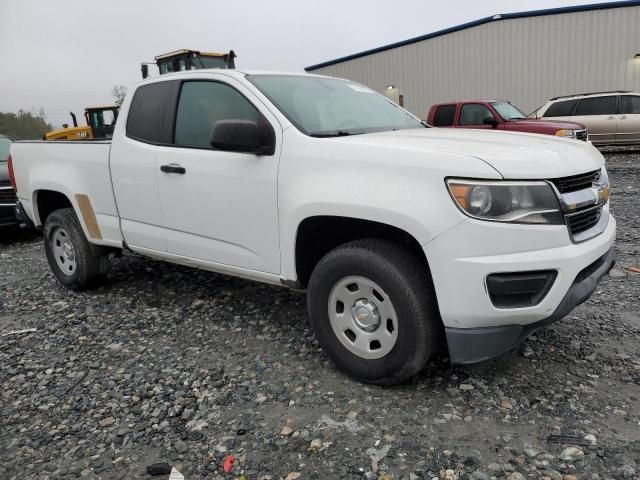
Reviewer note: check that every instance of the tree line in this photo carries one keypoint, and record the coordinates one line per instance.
(24, 125)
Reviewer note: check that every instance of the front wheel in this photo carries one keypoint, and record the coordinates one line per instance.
(75, 262)
(372, 308)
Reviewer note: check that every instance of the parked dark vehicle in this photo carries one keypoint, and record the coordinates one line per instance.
(7, 194)
(499, 115)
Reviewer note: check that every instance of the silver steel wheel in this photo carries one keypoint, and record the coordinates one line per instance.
(63, 251)
(363, 318)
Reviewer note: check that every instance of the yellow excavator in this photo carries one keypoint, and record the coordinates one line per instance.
(100, 124)
(102, 120)
(185, 59)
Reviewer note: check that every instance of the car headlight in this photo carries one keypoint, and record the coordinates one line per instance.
(507, 201)
(566, 133)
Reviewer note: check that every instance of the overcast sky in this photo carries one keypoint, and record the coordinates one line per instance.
(66, 55)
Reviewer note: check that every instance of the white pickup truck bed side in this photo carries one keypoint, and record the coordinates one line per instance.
(71, 168)
(397, 231)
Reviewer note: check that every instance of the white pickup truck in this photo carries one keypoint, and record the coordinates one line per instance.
(409, 240)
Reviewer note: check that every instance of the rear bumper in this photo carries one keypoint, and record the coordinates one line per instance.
(471, 345)
(21, 215)
(7, 216)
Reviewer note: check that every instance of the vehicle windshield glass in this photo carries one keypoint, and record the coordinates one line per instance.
(327, 107)
(5, 143)
(507, 111)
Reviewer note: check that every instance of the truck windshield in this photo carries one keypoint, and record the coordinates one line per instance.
(329, 107)
(507, 111)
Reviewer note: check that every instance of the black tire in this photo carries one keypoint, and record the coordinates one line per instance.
(408, 285)
(91, 261)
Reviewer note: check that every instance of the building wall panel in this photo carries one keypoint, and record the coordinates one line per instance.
(525, 60)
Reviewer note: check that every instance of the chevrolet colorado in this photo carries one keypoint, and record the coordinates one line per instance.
(409, 240)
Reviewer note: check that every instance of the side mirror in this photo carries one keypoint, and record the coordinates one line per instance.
(243, 136)
(145, 70)
(490, 121)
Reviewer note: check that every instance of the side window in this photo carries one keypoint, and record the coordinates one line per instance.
(561, 109)
(597, 106)
(151, 113)
(474, 114)
(630, 104)
(202, 104)
(444, 116)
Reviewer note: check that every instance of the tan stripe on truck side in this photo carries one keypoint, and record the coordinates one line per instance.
(89, 216)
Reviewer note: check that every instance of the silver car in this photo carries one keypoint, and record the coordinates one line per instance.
(612, 118)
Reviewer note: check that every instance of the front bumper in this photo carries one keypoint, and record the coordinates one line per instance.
(471, 345)
(462, 259)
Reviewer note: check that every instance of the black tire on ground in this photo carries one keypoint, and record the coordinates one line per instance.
(407, 283)
(91, 261)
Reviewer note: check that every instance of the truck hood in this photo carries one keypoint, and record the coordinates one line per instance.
(550, 124)
(514, 155)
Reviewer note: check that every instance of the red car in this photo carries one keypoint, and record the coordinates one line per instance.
(499, 115)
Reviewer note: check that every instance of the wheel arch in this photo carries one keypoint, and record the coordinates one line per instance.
(317, 235)
(46, 201)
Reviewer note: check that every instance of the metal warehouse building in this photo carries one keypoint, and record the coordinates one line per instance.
(525, 57)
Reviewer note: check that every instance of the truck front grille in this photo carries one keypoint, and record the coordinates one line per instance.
(7, 195)
(583, 220)
(582, 135)
(575, 182)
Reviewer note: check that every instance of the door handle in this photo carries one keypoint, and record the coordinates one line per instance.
(624, 117)
(611, 118)
(173, 168)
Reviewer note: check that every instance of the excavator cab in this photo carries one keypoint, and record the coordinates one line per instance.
(181, 60)
(100, 124)
(102, 120)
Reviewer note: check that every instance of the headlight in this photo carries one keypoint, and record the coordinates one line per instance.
(503, 201)
(566, 133)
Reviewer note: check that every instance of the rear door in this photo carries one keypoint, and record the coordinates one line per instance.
(219, 206)
(472, 115)
(133, 157)
(600, 116)
(628, 131)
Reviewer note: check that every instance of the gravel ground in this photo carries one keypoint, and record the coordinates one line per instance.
(168, 364)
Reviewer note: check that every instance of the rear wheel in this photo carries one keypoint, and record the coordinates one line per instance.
(372, 308)
(75, 262)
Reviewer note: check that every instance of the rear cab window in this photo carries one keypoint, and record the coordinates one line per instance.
(444, 116)
(151, 114)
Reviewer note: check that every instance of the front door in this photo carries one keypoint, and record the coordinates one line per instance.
(600, 116)
(219, 206)
(628, 120)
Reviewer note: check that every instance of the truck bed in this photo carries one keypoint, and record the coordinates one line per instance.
(74, 168)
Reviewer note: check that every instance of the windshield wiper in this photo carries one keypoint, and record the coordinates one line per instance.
(336, 133)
